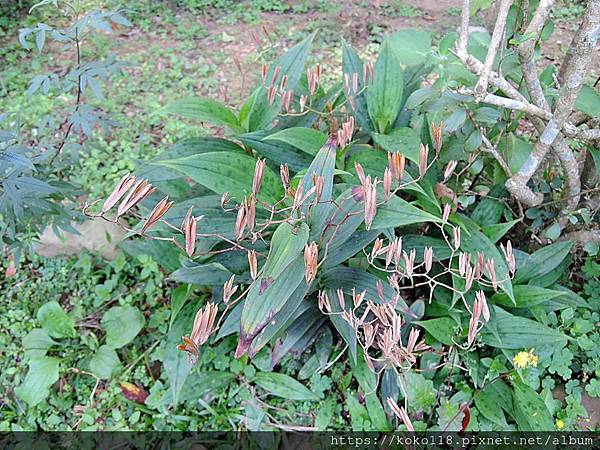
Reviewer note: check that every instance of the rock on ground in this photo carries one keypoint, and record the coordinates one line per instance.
(97, 236)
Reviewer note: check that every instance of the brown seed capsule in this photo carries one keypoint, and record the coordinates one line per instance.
(188, 227)
(258, 175)
(139, 192)
(284, 174)
(201, 331)
(449, 170)
(311, 252)
(123, 186)
(157, 212)
(436, 131)
(253, 264)
(229, 289)
(423, 159)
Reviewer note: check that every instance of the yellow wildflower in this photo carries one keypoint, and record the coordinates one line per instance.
(524, 359)
(533, 359)
(560, 424)
(521, 359)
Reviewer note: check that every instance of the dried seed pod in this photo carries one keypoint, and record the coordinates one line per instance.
(437, 131)
(449, 170)
(123, 186)
(284, 174)
(253, 264)
(157, 212)
(258, 175)
(428, 258)
(423, 159)
(447, 211)
(139, 192)
(188, 227)
(201, 331)
(229, 289)
(456, 231)
(240, 222)
(311, 253)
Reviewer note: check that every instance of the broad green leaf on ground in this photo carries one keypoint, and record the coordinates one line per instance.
(227, 172)
(308, 140)
(105, 362)
(200, 384)
(384, 94)
(56, 321)
(420, 391)
(284, 386)
(411, 46)
(515, 150)
(175, 362)
(299, 334)
(442, 329)
(404, 140)
(179, 297)
(122, 324)
(43, 373)
(325, 413)
(508, 331)
(291, 64)
(398, 212)
(37, 342)
(487, 403)
(531, 412)
(542, 262)
(204, 110)
(278, 279)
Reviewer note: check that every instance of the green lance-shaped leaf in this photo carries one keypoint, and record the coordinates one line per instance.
(351, 64)
(276, 151)
(512, 332)
(204, 110)
(308, 140)
(292, 309)
(398, 212)
(282, 273)
(322, 166)
(384, 95)
(403, 140)
(258, 113)
(227, 172)
(284, 386)
(542, 262)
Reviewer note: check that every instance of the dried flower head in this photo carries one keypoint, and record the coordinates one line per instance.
(437, 132)
(253, 264)
(123, 186)
(258, 175)
(139, 192)
(423, 159)
(449, 170)
(157, 212)
(188, 227)
(311, 253)
(201, 331)
(229, 289)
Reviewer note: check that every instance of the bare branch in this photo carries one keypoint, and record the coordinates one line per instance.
(491, 149)
(497, 37)
(572, 80)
